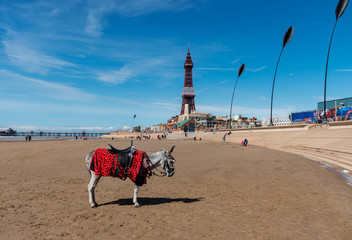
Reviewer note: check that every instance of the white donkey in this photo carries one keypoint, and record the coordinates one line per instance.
(162, 158)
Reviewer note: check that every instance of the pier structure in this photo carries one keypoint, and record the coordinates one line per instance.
(54, 134)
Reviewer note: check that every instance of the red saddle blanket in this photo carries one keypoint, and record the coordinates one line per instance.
(106, 164)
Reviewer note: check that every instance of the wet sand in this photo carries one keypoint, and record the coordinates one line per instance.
(219, 191)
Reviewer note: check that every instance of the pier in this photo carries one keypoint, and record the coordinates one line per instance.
(53, 134)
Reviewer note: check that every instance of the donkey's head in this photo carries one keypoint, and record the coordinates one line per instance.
(167, 163)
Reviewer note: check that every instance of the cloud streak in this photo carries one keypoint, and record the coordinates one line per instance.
(99, 9)
(343, 70)
(149, 67)
(232, 69)
(45, 88)
(26, 54)
(217, 69)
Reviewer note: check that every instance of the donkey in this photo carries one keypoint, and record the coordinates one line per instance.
(162, 158)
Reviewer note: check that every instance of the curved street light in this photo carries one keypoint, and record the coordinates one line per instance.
(340, 9)
(240, 71)
(132, 122)
(287, 38)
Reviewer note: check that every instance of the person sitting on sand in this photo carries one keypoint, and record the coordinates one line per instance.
(245, 143)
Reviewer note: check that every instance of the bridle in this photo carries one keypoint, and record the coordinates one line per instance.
(166, 159)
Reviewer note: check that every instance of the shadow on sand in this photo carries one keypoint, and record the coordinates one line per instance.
(151, 201)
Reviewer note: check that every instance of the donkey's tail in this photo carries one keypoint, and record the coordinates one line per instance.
(89, 158)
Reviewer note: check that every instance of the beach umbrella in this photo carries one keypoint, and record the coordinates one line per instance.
(240, 71)
(287, 38)
(340, 9)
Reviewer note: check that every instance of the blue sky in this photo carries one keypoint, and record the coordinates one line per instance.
(94, 64)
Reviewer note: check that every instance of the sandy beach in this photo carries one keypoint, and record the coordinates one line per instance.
(328, 144)
(219, 191)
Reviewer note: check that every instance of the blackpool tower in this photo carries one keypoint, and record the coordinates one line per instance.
(188, 90)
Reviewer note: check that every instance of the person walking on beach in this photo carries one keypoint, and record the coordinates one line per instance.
(29, 138)
(26, 137)
(224, 138)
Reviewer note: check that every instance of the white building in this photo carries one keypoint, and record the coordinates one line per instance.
(277, 121)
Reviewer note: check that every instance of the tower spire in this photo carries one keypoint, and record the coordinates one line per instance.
(188, 90)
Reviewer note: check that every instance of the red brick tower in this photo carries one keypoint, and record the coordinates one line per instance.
(188, 90)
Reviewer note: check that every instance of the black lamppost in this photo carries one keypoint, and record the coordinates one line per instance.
(240, 71)
(340, 9)
(132, 122)
(287, 38)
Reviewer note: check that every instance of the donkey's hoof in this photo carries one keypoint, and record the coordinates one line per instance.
(137, 205)
(95, 205)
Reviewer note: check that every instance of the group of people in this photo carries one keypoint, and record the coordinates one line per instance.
(243, 143)
(162, 136)
(28, 138)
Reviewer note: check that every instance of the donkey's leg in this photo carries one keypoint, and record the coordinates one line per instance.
(91, 186)
(136, 190)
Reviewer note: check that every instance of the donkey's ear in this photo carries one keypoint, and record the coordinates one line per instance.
(172, 148)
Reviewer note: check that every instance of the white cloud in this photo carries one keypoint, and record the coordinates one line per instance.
(116, 77)
(45, 88)
(223, 82)
(217, 69)
(26, 53)
(232, 69)
(203, 89)
(236, 60)
(97, 9)
(165, 105)
(156, 67)
(343, 70)
(259, 69)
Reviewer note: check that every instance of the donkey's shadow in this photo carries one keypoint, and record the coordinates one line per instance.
(151, 201)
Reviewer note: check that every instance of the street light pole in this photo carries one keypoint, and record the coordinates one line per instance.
(132, 122)
(340, 9)
(240, 71)
(287, 38)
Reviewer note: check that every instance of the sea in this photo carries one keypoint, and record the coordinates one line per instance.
(18, 138)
